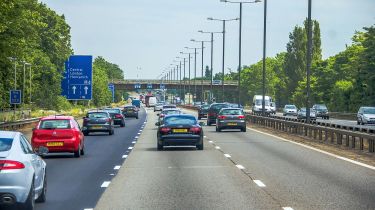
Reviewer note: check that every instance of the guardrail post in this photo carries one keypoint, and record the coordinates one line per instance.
(320, 135)
(339, 138)
(332, 137)
(347, 140)
(361, 143)
(353, 141)
(371, 146)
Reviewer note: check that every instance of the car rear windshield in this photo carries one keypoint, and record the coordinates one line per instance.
(321, 107)
(54, 124)
(231, 112)
(5, 144)
(168, 107)
(113, 111)
(98, 115)
(369, 111)
(172, 112)
(129, 107)
(180, 120)
(205, 106)
(219, 106)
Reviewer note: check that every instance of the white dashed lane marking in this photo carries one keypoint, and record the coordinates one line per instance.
(210, 142)
(240, 167)
(105, 184)
(88, 209)
(133, 142)
(124, 156)
(217, 147)
(259, 183)
(117, 167)
(227, 155)
(287, 208)
(130, 148)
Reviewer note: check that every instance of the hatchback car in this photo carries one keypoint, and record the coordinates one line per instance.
(166, 112)
(290, 109)
(158, 107)
(98, 121)
(169, 106)
(302, 114)
(117, 116)
(180, 130)
(130, 111)
(231, 118)
(202, 111)
(23, 177)
(321, 111)
(213, 111)
(59, 134)
(366, 115)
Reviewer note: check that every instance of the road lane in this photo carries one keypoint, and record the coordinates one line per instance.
(75, 183)
(297, 176)
(181, 178)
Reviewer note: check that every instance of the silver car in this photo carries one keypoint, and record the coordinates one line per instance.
(302, 114)
(366, 115)
(158, 107)
(231, 118)
(290, 109)
(22, 172)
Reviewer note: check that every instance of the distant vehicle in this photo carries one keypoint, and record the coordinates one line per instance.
(98, 121)
(180, 130)
(152, 101)
(257, 104)
(302, 114)
(197, 103)
(166, 112)
(130, 111)
(321, 111)
(235, 105)
(202, 111)
(366, 115)
(23, 179)
(169, 106)
(216, 82)
(213, 111)
(290, 109)
(158, 107)
(231, 118)
(59, 134)
(136, 102)
(117, 116)
(273, 107)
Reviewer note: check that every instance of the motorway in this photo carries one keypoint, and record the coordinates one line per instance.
(77, 183)
(237, 170)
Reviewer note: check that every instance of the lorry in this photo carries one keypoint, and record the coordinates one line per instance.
(269, 105)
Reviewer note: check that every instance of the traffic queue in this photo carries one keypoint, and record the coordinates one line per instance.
(23, 176)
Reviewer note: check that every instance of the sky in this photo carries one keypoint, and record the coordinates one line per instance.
(145, 36)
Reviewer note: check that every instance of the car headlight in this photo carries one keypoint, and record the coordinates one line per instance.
(367, 118)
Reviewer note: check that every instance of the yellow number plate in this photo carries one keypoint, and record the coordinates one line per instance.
(179, 130)
(232, 123)
(55, 144)
(96, 127)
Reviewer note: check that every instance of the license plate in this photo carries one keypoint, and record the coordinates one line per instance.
(55, 144)
(232, 123)
(96, 127)
(179, 130)
(130, 111)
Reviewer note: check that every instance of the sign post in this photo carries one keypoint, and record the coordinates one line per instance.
(111, 87)
(15, 97)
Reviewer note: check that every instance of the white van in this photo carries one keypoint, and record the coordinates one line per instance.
(152, 101)
(257, 104)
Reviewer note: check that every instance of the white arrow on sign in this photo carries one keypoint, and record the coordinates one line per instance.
(86, 88)
(74, 89)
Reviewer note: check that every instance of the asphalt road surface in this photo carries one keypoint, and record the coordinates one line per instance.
(76, 183)
(237, 170)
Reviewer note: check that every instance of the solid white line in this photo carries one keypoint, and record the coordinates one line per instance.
(138, 133)
(140, 130)
(317, 150)
(136, 137)
(259, 183)
(117, 167)
(130, 148)
(133, 142)
(240, 167)
(227, 155)
(287, 208)
(111, 174)
(217, 147)
(105, 184)
(88, 209)
(124, 156)
(211, 142)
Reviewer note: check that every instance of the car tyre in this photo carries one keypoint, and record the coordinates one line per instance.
(111, 132)
(77, 153)
(200, 146)
(218, 129)
(160, 146)
(358, 123)
(30, 202)
(243, 129)
(83, 150)
(136, 117)
(199, 118)
(122, 124)
(42, 196)
(85, 133)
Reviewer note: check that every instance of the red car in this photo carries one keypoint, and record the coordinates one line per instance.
(59, 134)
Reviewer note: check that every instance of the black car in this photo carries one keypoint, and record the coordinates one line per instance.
(130, 111)
(213, 111)
(202, 111)
(97, 121)
(180, 130)
(117, 116)
(321, 111)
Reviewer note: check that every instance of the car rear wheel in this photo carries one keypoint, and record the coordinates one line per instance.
(30, 202)
(85, 133)
(83, 150)
(77, 153)
(160, 146)
(200, 146)
(199, 117)
(111, 132)
(218, 129)
(243, 129)
(42, 196)
(136, 117)
(122, 124)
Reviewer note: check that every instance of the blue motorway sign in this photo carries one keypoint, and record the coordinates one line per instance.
(15, 97)
(162, 86)
(137, 86)
(77, 78)
(149, 86)
(111, 88)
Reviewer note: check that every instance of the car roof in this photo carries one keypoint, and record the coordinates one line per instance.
(96, 111)
(231, 108)
(9, 134)
(53, 117)
(182, 114)
(367, 107)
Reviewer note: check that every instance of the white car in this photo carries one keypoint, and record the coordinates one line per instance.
(290, 109)
(158, 107)
(23, 177)
(366, 115)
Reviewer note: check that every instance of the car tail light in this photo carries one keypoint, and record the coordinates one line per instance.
(161, 115)
(211, 114)
(118, 116)
(10, 164)
(165, 130)
(195, 130)
(108, 120)
(221, 117)
(86, 119)
(241, 117)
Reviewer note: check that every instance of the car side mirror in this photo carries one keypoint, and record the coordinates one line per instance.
(202, 123)
(157, 123)
(42, 151)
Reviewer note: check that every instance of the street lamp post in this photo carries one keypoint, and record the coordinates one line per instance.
(202, 47)
(308, 63)
(195, 70)
(223, 63)
(240, 43)
(189, 54)
(264, 58)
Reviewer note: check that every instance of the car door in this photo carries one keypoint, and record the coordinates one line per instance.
(35, 161)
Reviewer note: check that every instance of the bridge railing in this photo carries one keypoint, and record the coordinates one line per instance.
(174, 82)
